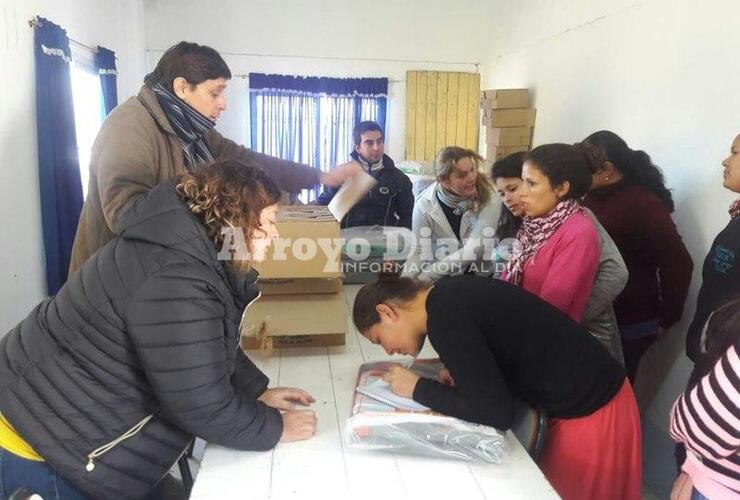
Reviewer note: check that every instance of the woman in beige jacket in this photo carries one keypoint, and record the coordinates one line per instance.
(167, 130)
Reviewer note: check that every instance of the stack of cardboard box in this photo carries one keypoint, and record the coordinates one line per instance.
(303, 302)
(508, 121)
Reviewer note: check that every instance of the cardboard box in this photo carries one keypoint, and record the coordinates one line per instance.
(509, 117)
(291, 286)
(504, 98)
(509, 136)
(497, 152)
(300, 320)
(299, 252)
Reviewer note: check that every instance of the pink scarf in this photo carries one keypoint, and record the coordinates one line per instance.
(535, 231)
(735, 209)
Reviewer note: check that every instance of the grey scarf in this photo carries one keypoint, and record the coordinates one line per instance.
(459, 204)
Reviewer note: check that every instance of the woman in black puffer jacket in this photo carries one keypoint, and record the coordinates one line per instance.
(103, 386)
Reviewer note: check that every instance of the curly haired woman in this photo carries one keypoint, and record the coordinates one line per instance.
(103, 386)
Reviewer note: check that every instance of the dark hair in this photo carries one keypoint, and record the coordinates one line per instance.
(508, 167)
(563, 162)
(636, 166)
(228, 193)
(363, 127)
(389, 288)
(195, 63)
(722, 331)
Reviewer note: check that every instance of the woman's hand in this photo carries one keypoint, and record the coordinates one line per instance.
(298, 425)
(402, 381)
(285, 398)
(682, 488)
(444, 377)
(340, 173)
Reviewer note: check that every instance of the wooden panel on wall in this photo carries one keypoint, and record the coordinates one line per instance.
(431, 117)
(410, 113)
(452, 89)
(471, 141)
(421, 114)
(462, 110)
(441, 119)
(441, 110)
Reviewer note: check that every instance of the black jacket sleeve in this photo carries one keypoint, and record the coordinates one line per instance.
(405, 203)
(176, 322)
(481, 394)
(326, 195)
(247, 377)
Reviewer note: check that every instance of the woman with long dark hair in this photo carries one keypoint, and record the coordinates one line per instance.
(611, 275)
(498, 344)
(631, 201)
(103, 386)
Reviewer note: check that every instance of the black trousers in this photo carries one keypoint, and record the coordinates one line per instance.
(633, 352)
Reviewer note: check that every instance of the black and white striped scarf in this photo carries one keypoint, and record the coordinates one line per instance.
(189, 125)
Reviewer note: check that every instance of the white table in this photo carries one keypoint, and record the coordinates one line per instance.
(324, 468)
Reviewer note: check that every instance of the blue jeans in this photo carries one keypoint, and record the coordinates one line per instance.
(696, 495)
(17, 472)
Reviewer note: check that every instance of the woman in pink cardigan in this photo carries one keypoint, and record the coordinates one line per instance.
(560, 246)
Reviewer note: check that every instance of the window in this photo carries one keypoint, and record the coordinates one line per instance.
(87, 95)
(310, 120)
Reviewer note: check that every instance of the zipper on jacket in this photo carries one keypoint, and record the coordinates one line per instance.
(244, 315)
(98, 452)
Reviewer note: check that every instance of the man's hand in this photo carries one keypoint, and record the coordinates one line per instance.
(444, 377)
(285, 398)
(341, 173)
(402, 381)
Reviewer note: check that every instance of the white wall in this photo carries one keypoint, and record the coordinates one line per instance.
(334, 38)
(660, 73)
(117, 25)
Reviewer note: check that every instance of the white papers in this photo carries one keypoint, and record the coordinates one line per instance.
(380, 390)
(350, 193)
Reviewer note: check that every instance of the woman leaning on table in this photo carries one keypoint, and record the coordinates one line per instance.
(103, 386)
(500, 344)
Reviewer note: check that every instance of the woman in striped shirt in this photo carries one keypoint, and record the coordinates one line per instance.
(706, 418)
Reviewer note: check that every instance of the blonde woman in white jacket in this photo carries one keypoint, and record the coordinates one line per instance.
(454, 219)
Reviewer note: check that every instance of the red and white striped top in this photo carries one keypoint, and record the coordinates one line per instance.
(706, 419)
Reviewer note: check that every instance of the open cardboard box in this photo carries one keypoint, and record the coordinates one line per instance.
(306, 233)
(296, 320)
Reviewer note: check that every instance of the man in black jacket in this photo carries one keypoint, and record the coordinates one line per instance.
(391, 201)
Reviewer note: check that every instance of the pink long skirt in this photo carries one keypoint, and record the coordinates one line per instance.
(598, 456)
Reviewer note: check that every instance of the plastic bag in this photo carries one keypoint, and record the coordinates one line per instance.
(386, 242)
(374, 425)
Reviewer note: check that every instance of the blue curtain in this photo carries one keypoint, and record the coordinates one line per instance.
(105, 60)
(310, 119)
(59, 173)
